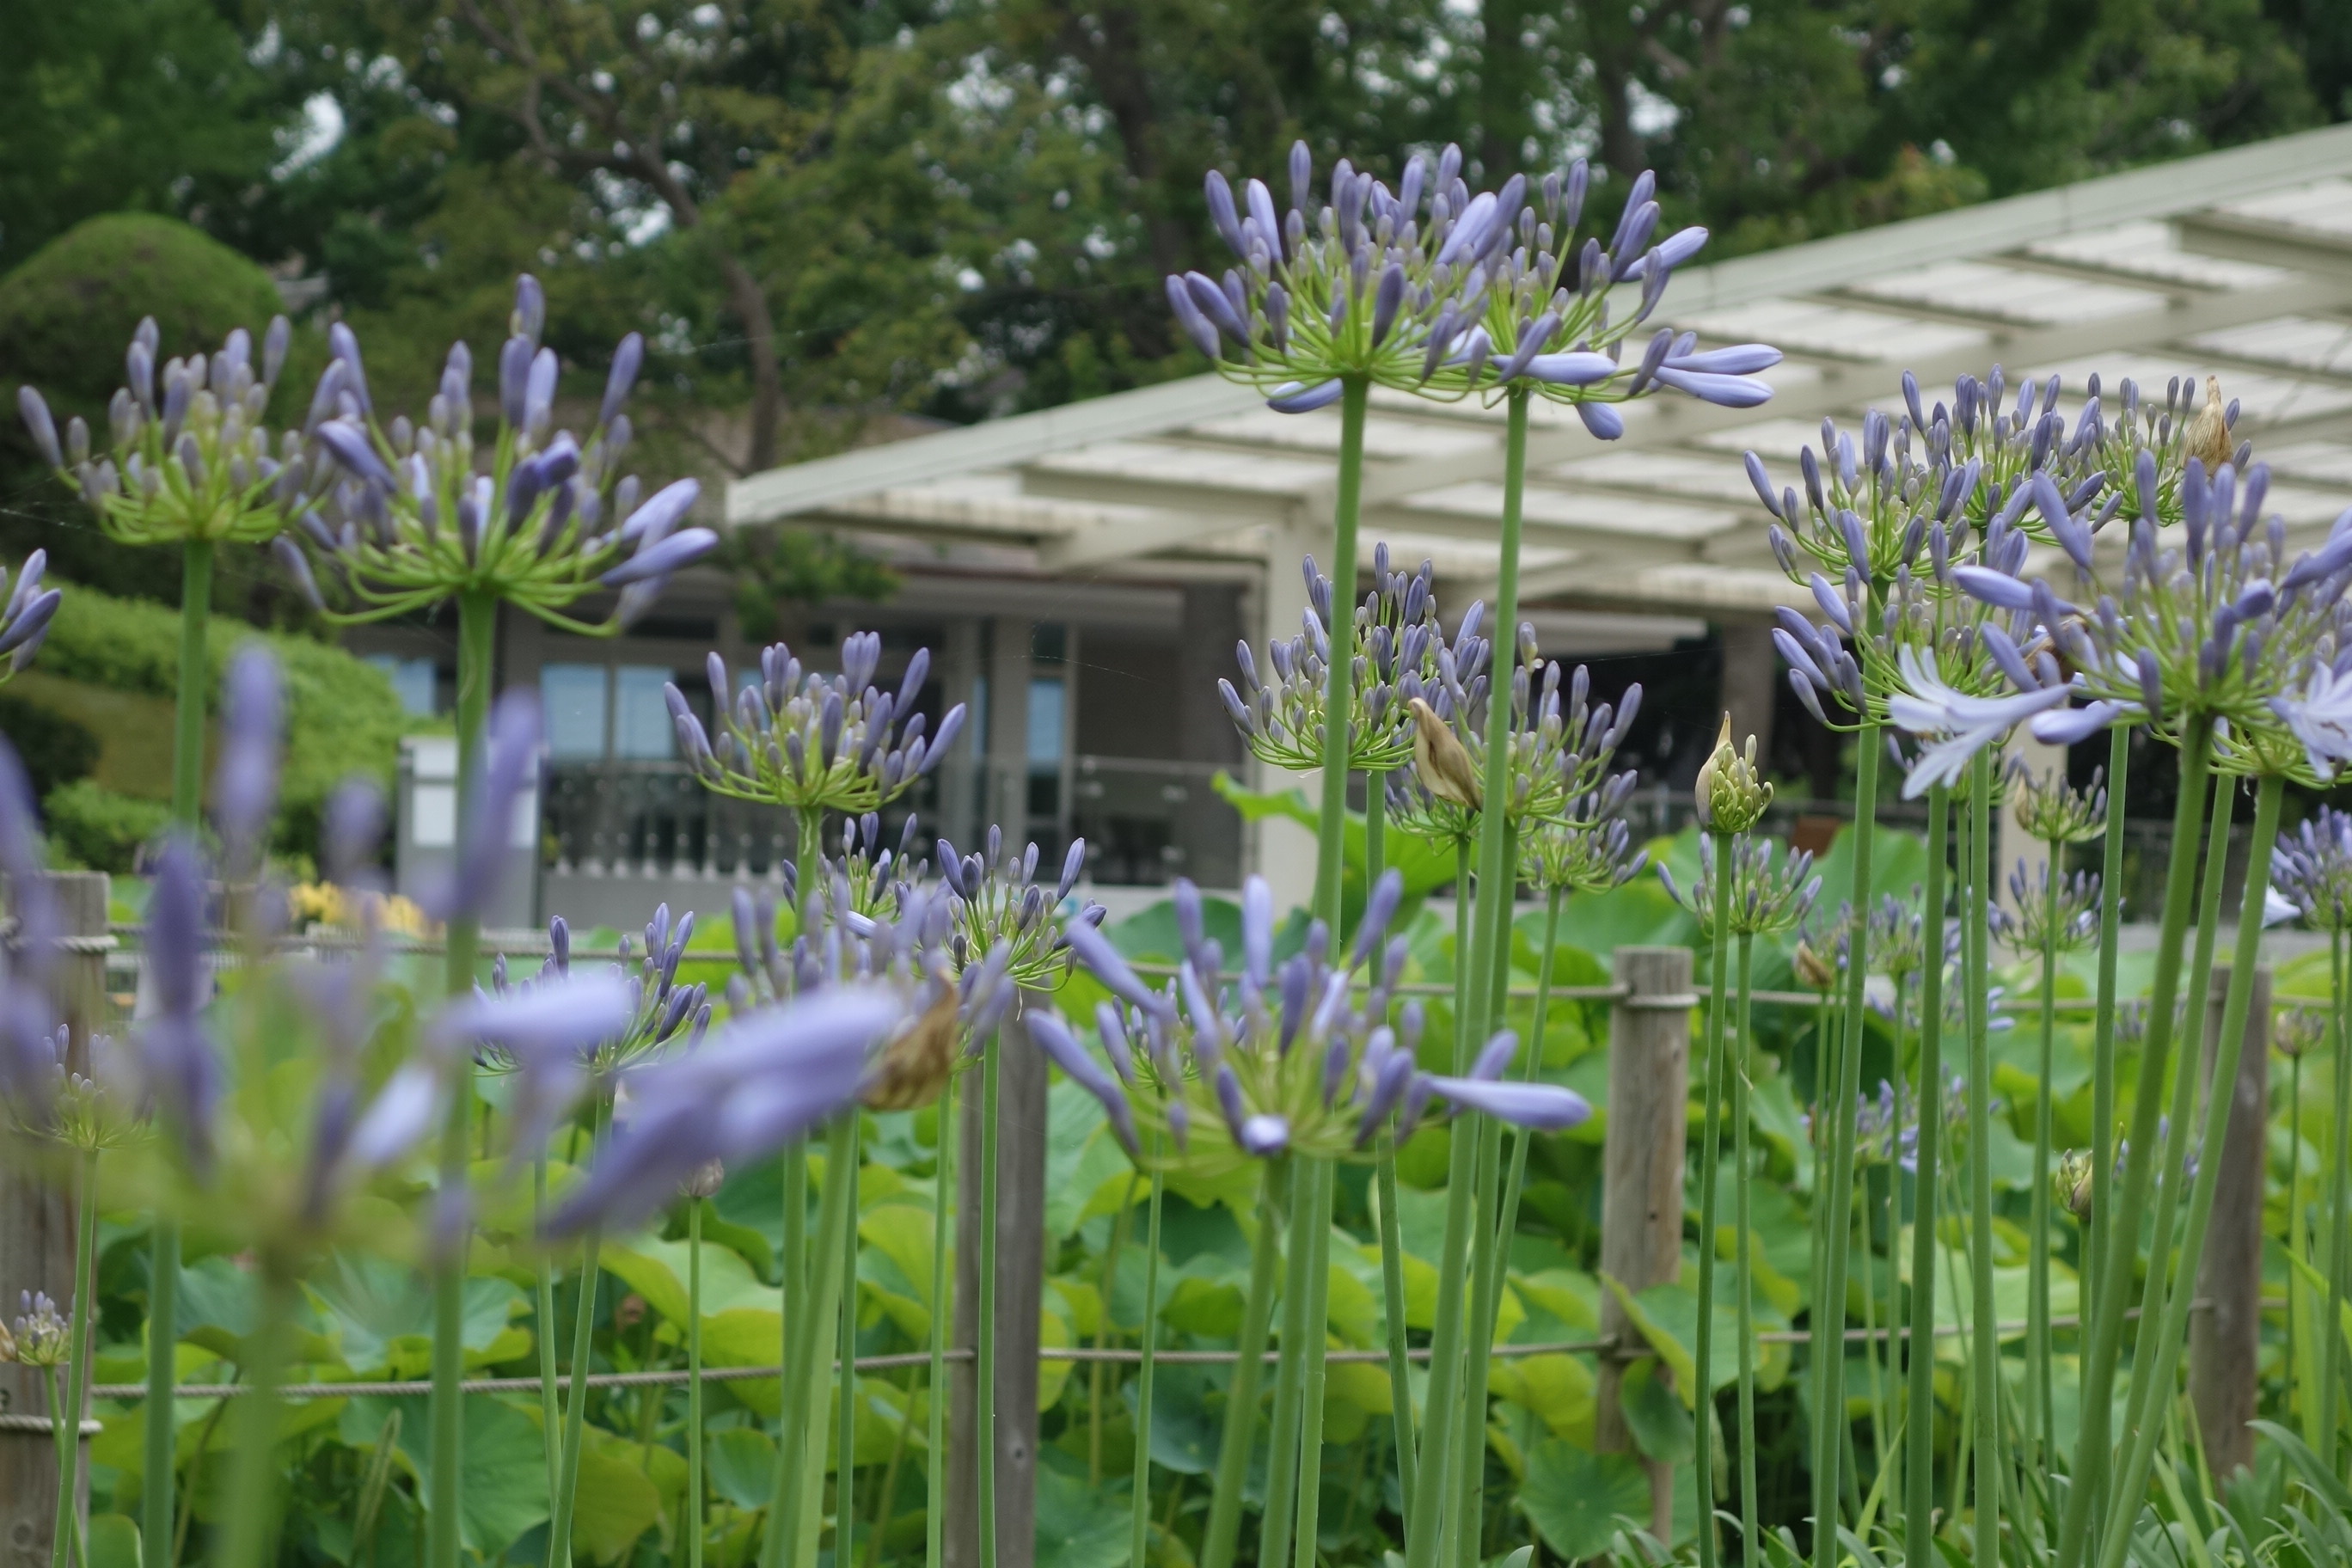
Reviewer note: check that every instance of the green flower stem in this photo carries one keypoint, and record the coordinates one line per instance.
(1919, 1404)
(808, 865)
(2184, 1104)
(844, 1494)
(1376, 829)
(1224, 1531)
(549, 1411)
(1103, 1329)
(807, 1370)
(1332, 826)
(1274, 1525)
(82, 1339)
(1890, 1351)
(1489, 1245)
(2102, 1036)
(1317, 1244)
(1393, 1309)
(985, 1391)
(2298, 1372)
(2237, 1003)
(163, 1243)
(1829, 1307)
(1507, 1225)
(477, 623)
(1140, 1496)
(1744, 1266)
(2121, 1244)
(1710, 1168)
(1984, 1358)
(2340, 1209)
(935, 1431)
(252, 1508)
(693, 1521)
(2040, 1430)
(575, 1405)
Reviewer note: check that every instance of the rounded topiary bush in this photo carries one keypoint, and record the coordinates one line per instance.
(68, 312)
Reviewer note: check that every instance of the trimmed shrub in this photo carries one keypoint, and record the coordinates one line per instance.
(53, 748)
(92, 826)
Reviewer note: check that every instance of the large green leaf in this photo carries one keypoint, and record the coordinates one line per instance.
(1578, 1500)
(506, 1462)
(384, 1314)
(616, 1503)
(740, 1463)
(1079, 1526)
(658, 1270)
(1661, 1427)
(1668, 1317)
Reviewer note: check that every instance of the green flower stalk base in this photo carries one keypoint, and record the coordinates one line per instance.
(1223, 1533)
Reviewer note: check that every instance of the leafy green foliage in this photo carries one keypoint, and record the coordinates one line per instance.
(55, 748)
(92, 826)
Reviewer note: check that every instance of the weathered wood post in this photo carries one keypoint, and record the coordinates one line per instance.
(2225, 1332)
(37, 1248)
(1642, 1165)
(1020, 1285)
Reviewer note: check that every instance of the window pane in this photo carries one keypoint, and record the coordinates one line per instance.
(641, 724)
(572, 696)
(1046, 700)
(411, 680)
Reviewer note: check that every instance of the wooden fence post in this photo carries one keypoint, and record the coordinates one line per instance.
(2225, 1332)
(36, 1248)
(1641, 1161)
(1020, 1285)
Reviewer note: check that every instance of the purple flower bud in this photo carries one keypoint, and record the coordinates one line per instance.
(1578, 368)
(482, 859)
(679, 550)
(1723, 391)
(1287, 400)
(1601, 421)
(348, 445)
(42, 427)
(344, 344)
(1221, 210)
(1544, 1107)
(1053, 1036)
(244, 790)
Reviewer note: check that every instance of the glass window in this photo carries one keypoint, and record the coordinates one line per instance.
(641, 724)
(573, 697)
(1046, 727)
(411, 680)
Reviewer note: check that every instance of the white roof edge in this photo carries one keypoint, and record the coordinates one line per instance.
(2158, 190)
(990, 444)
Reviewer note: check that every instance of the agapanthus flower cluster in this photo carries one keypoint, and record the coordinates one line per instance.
(812, 741)
(878, 875)
(859, 1009)
(1897, 936)
(104, 1108)
(196, 464)
(1769, 891)
(541, 520)
(2296, 1032)
(1591, 850)
(1881, 1134)
(2311, 867)
(997, 904)
(41, 1335)
(1425, 287)
(25, 618)
(1399, 649)
(2222, 628)
(2172, 434)
(2047, 908)
(1562, 745)
(1276, 1059)
(2053, 811)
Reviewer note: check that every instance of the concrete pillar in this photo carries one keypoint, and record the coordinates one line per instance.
(1286, 849)
(1751, 684)
(1005, 647)
(1208, 831)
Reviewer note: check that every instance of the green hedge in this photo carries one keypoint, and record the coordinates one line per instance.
(343, 716)
(93, 826)
(54, 748)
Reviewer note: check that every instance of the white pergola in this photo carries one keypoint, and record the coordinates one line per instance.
(2237, 264)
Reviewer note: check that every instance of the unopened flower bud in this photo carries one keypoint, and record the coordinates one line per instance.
(2073, 1183)
(1728, 796)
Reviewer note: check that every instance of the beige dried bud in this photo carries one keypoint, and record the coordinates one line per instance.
(916, 1065)
(8, 1344)
(1729, 796)
(1439, 757)
(2208, 435)
(708, 1178)
(1815, 972)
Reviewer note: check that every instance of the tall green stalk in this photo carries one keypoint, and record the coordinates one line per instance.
(1744, 1266)
(1710, 1170)
(1919, 1404)
(477, 621)
(575, 1406)
(1984, 1322)
(1385, 1183)
(2103, 1036)
(1224, 1531)
(550, 1412)
(844, 1512)
(2120, 1244)
(935, 1430)
(1317, 1243)
(2042, 1433)
(985, 1396)
(1507, 1225)
(2339, 1208)
(1139, 1497)
(80, 1338)
(807, 1368)
(693, 1522)
(2237, 1004)
(252, 1502)
(1331, 826)
(1489, 1247)
(1276, 1524)
(1829, 1308)
(163, 1245)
